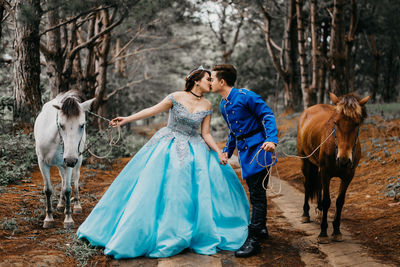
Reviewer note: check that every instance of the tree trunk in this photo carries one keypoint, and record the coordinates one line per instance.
(70, 56)
(323, 50)
(77, 78)
(101, 66)
(389, 89)
(349, 70)
(337, 50)
(302, 55)
(1, 17)
(53, 51)
(292, 91)
(312, 92)
(27, 92)
(375, 75)
(119, 66)
(90, 70)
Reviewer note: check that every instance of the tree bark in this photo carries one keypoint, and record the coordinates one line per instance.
(292, 94)
(53, 51)
(312, 92)
(119, 66)
(349, 69)
(337, 50)
(101, 65)
(307, 102)
(90, 71)
(27, 92)
(392, 70)
(323, 62)
(1, 17)
(375, 74)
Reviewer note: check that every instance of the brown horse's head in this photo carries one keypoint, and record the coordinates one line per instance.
(350, 113)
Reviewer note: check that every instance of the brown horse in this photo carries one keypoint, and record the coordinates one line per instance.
(336, 129)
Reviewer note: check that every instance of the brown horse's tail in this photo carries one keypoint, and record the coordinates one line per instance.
(314, 187)
(312, 182)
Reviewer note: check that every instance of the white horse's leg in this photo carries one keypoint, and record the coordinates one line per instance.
(66, 191)
(61, 200)
(76, 174)
(48, 189)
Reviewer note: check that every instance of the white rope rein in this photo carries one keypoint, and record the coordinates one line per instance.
(274, 160)
(111, 143)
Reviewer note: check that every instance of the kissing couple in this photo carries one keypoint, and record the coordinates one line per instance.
(178, 192)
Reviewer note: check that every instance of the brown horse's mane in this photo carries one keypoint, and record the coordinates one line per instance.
(350, 107)
(70, 104)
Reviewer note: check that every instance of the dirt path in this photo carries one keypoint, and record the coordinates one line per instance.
(346, 253)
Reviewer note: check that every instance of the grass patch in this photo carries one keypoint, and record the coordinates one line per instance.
(81, 251)
(17, 157)
(9, 224)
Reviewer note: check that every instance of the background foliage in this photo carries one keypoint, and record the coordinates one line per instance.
(179, 35)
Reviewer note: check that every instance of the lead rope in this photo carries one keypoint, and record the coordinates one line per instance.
(274, 160)
(111, 143)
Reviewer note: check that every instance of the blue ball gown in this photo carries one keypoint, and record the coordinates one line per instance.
(172, 195)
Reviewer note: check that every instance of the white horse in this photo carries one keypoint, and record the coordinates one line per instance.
(59, 138)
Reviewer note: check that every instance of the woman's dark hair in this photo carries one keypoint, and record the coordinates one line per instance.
(194, 76)
(226, 72)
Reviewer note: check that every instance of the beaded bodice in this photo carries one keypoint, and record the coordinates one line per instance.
(182, 121)
(183, 127)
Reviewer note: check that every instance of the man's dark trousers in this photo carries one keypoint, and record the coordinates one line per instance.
(258, 201)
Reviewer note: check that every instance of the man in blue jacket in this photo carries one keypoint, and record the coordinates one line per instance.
(252, 127)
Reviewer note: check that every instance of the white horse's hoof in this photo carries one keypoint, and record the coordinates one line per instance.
(48, 224)
(69, 225)
(77, 210)
(305, 219)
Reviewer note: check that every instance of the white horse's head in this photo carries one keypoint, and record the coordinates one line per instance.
(71, 121)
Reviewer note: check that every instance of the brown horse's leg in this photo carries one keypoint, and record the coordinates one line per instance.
(318, 210)
(337, 235)
(326, 203)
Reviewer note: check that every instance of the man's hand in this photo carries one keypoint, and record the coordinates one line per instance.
(268, 146)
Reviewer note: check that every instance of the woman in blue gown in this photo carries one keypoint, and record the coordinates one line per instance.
(176, 192)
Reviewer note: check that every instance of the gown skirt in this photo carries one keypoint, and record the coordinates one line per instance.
(172, 195)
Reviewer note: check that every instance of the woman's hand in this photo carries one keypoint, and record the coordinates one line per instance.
(223, 159)
(119, 121)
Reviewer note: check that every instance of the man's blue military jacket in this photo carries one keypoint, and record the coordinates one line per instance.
(245, 112)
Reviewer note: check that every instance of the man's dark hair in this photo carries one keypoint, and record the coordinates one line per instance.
(226, 72)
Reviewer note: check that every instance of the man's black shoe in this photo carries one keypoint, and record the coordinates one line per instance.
(263, 234)
(250, 247)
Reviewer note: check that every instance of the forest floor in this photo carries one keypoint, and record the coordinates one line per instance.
(370, 215)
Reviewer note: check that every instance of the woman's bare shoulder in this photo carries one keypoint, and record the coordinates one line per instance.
(178, 95)
(208, 103)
